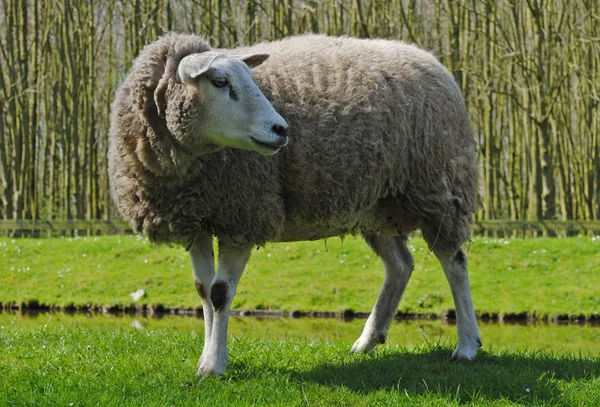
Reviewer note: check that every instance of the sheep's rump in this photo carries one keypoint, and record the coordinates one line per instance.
(379, 142)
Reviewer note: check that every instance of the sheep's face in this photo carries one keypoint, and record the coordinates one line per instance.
(235, 113)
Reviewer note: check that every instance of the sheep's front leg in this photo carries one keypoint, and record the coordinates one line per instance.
(203, 263)
(455, 268)
(231, 265)
(398, 264)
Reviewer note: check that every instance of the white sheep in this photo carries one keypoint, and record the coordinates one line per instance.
(372, 137)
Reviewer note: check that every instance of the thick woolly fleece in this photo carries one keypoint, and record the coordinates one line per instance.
(380, 143)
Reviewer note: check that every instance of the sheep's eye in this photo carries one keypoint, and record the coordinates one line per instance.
(220, 82)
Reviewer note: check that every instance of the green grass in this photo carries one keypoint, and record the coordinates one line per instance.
(545, 276)
(83, 364)
(126, 361)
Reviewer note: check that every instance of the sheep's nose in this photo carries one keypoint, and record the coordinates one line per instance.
(280, 130)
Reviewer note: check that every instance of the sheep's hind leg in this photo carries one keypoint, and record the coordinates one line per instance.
(231, 265)
(455, 268)
(398, 263)
(203, 263)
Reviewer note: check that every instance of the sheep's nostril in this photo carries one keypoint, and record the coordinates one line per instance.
(280, 130)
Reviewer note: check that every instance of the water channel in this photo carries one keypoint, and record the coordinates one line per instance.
(571, 338)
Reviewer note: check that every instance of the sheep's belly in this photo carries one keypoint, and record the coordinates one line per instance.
(293, 232)
(390, 226)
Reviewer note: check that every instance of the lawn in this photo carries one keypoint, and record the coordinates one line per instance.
(111, 365)
(132, 361)
(544, 276)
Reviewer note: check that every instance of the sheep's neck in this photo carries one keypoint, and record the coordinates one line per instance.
(161, 156)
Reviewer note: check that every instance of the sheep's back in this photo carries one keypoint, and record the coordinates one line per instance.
(369, 119)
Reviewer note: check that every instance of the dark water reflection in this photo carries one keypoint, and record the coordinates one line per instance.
(573, 338)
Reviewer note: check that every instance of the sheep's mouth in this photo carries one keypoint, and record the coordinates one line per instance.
(269, 147)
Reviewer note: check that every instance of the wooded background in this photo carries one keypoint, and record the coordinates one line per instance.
(529, 70)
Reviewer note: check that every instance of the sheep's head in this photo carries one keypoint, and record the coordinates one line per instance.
(222, 105)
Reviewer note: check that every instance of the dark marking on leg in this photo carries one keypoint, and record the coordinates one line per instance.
(381, 339)
(199, 288)
(460, 257)
(370, 239)
(190, 244)
(218, 294)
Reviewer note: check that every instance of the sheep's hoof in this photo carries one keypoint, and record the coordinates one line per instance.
(206, 371)
(211, 367)
(465, 352)
(366, 345)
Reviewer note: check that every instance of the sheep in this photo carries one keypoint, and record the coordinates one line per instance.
(332, 136)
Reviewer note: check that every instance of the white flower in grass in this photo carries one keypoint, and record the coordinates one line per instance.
(137, 324)
(146, 261)
(268, 254)
(137, 295)
(84, 255)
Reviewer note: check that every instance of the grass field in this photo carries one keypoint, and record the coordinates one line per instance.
(544, 276)
(114, 365)
(126, 361)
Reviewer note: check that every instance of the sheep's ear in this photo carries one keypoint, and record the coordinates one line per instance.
(190, 73)
(252, 60)
(193, 66)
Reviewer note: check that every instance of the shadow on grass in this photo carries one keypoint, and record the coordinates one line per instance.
(524, 378)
